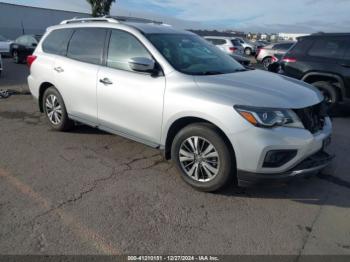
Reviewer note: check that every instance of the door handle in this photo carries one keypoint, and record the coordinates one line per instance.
(59, 69)
(106, 81)
(346, 65)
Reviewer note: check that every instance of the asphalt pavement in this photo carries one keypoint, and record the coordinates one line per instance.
(89, 192)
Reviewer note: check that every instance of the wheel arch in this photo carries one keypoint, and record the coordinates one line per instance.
(335, 79)
(182, 122)
(43, 87)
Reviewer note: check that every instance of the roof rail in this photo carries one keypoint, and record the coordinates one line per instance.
(87, 20)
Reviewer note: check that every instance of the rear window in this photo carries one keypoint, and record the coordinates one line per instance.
(284, 47)
(301, 47)
(330, 47)
(86, 45)
(217, 41)
(236, 42)
(56, 42)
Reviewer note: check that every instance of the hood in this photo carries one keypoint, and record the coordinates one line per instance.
(261, 89)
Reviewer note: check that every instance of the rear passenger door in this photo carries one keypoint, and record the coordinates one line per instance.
(131, 103)
(76, 73)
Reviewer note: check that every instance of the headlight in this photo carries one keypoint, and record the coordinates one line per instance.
(269, 117)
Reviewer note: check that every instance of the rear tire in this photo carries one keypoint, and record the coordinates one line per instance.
(16, 57)
(203, 168)
(248, 51)
(55, 110)
(329, 91)
(267, 61)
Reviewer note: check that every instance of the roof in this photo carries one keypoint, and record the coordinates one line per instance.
(325, 34)
(143, 25)
(150, 28)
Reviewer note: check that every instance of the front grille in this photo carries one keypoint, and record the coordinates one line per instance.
(313, 117)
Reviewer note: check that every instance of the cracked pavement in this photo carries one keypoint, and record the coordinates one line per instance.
(89, 192)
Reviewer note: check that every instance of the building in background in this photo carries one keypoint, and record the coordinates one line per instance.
(289, 37)
(16, 20)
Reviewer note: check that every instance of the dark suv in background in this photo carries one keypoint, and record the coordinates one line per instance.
(23, 47)
(322, 60)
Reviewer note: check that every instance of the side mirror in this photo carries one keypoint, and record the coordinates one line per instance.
(34, 45)
(142, 64)
(274, 67)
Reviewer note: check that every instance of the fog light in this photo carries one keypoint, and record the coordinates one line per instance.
(277, 158)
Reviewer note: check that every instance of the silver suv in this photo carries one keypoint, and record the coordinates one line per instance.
(174, 91)
(227, 44)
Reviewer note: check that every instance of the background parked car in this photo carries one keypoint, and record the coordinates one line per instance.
(23, 47)
(227, 44)
(4, 45)
(249, 47)
(266, 54)
(322, 60)
(246, 62)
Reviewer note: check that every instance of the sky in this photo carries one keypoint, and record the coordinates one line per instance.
(271, 16)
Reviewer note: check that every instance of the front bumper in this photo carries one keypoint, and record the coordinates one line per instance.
(310, 166)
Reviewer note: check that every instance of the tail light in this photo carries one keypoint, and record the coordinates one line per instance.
(289, 60)
(30, 60)
(233, 49)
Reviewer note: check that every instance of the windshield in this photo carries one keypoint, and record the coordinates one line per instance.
(190, 54)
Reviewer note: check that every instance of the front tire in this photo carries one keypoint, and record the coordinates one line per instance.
(329, 91)
(202, 157)
(55, 110)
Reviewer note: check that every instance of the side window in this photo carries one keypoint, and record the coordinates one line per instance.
(122, 47)
(284, 47)
(86, 45)
(22, 40)
(221, 41)
(347, 54)
(301, 47)
(57, 41)
(332, 47)
(31, 41)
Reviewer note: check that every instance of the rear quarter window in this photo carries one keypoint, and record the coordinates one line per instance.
(301, 47)
(57, 41)
(87, 44)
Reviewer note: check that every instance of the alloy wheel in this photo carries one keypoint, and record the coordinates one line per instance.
(199, 159)
(53, 109)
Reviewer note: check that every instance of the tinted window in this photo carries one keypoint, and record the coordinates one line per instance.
(284, 47)
(301, 47)
(236, 42)
(87, 44)
(56, 42)
(122, 47)
(193, 55)
(21, 40)
(217, 41)
(332, 47)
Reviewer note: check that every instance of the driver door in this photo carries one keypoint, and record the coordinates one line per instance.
(129, 103)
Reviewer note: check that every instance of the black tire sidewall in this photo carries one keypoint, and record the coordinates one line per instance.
(264, 61)
(65, 122)
(330, 89)
(248, 51)
(227, 167)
